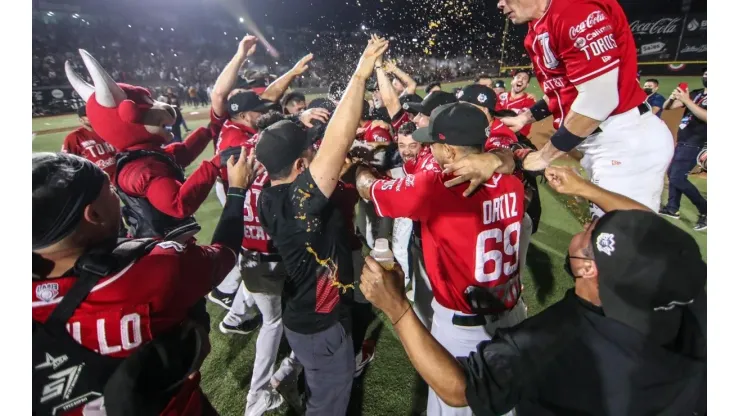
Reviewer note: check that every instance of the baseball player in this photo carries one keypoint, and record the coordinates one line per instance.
(84, 142)
(518, 99)
(583, 55)
(470, 244)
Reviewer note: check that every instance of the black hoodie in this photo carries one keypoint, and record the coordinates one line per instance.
(572, 360)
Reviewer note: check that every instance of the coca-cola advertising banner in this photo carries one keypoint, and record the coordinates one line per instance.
(657, 38)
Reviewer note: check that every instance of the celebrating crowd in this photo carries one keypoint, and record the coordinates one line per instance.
(119, 290)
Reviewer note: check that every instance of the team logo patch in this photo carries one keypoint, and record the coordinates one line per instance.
(405, 106)
(47, 291)
(234, 107)
(482, 98)
(488, 131)
(459, 94)
(442, 136)
(605, 243)
(579, 43)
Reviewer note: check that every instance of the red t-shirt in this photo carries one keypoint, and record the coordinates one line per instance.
(87, 143)
(576, 41)
(466, 242)
(517, 105)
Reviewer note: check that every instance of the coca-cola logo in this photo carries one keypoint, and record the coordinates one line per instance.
(591, 21)
(664, 26)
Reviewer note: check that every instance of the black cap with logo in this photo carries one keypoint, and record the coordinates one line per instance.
(456, 124)
(479, 95)
(499, 84)
(280, 145)
(650, 272)
(250, 101)
(430, 102)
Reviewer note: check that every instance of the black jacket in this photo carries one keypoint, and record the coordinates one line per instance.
(572, 360)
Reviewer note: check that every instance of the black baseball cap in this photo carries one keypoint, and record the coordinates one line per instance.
(410, 98)
(324, 103)
(479, 95)
(456, 124)
(82, 111)
(250, 101)
(280, 145)
(430, 102)
(432, 85)
(499, 84)
(650, 272)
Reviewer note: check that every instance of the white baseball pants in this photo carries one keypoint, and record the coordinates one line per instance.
(460, 341)
(402, 230)
(269, 304)
(630, 157)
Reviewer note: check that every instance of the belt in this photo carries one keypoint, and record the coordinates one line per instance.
(475, 320)
(642, 108)
(261, 257)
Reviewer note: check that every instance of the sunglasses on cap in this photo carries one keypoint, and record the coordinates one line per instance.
(567, 267)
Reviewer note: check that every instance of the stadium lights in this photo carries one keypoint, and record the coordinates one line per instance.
(151, 53)
(50, 13)
(129, 25)
(363, 27)
(236, 38)
(75, 16)
(161, 28)
(172, 29)
(175, 55)
(224, 33)
(241, 20)
(414, 40)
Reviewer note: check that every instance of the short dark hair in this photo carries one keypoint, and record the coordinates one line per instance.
(523, 71)
(504, 113)
(407, 128)
(653, 80)
(285, 172)
(268, 119)
(483, 76)
(336, 89)
(293, 96)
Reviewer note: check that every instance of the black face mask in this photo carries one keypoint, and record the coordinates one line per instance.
(704, 82)
(648, 91)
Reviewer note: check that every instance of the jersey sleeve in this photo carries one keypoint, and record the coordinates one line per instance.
(406, 197)
(586, 42)
(200, 268)
(71, 144)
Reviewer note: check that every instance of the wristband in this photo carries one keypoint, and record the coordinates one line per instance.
(540, 110)
(233, 191)
(564, 140)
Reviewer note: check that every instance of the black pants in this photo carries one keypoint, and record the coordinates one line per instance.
(684, 159)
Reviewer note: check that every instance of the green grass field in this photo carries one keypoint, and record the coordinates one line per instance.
(390, 385)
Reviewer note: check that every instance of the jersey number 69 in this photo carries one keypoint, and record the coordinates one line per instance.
(511, 250)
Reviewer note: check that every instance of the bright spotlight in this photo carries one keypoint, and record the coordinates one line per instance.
(241, 20)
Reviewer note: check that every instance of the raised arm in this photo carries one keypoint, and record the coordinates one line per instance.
(341, 130)
(567, 181)
(277, 88)
(685, 99)
(227, 79)
(390, 98)
(404, 77)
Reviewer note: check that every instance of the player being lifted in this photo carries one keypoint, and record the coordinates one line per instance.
(583, 55)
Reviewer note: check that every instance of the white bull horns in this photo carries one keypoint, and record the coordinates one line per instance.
(107, 92)
(84, 89)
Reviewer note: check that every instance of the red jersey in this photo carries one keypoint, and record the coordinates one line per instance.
(517, 105)
(376, 132)
(501, 137)
(128, 309)
(399, 120)
(87, 143)
(576, 41)
(234, 135)
(466, 242)
(424, 161)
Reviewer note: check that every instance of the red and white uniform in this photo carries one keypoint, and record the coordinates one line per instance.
(516, 104)
(466, 242)
(424, 161)
(576, 41)
(128, 309)
(87, 143)
(376, 132)
(399, 120)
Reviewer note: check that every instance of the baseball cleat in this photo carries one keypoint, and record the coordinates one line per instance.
(701, 223)
(224, 300)
(668, 213)
(363, 358)
(243, 328)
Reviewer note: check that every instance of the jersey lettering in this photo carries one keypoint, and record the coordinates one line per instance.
(500, 208)
(129, 327)
(510, 239)
(548, 57)
(599, 46)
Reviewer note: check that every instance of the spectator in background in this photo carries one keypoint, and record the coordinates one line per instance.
(84, 142)
(692, 137)
(630, 338)
(499, 87)
(293, 103)
(655, 100)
